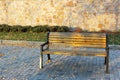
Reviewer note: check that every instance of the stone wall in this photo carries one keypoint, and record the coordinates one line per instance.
(92, 15)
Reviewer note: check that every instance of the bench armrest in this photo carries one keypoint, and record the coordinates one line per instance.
(42, 46)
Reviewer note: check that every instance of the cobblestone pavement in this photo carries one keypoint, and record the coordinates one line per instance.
(22, 63)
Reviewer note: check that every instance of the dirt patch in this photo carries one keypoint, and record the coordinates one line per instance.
(1, 54)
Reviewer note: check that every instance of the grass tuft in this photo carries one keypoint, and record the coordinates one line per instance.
(27, 36)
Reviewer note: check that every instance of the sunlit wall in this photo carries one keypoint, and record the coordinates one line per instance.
(92, 15)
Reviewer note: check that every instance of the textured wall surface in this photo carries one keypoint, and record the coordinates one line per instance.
(92, 15)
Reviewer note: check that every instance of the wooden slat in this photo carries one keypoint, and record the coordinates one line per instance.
(76, 52)
(69, 37)
(81, 38)
(75, 34)
(92, 46)
(72, 42)
(78, 40)
(82, 45)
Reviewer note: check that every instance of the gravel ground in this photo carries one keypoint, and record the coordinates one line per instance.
(22, 63)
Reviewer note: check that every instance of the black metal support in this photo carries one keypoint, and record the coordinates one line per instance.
(48, 55)
(49, 59)
(41, 52)
(105, 61)
(107, 57)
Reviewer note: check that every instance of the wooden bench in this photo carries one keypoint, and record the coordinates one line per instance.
(76, 44)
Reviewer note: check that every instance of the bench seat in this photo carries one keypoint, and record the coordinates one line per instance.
(73, 52)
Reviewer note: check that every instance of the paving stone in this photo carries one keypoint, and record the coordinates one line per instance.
(22, 63)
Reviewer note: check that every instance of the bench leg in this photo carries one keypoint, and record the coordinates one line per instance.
(41, 60)
(105, 61)
(107, 64)
(49, 59)
(48, 55)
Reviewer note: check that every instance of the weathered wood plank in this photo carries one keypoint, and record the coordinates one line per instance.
(76, 52)
(75, 34)
(79, 43)
(75, 37)
(78, 40)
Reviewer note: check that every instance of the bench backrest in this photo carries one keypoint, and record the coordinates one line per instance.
(93, 40)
